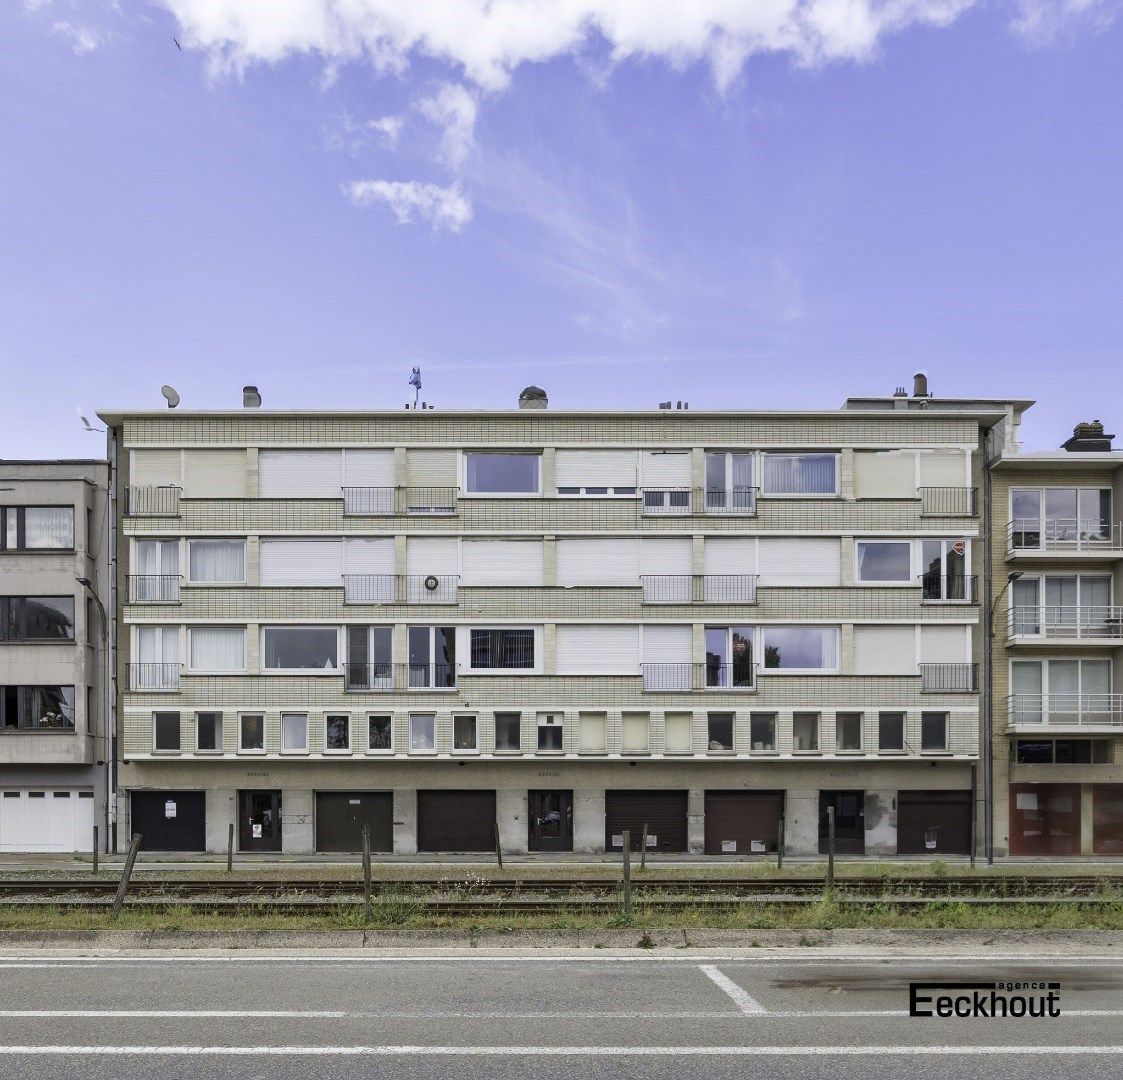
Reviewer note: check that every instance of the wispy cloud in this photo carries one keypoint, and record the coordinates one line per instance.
(1042, 22)
(411, 200)
(82, 39)
(352, 135)
(453, 109)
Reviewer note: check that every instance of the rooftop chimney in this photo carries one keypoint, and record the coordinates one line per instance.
(251, 399)
(920, 385)
(1088, 438)
(533, 397)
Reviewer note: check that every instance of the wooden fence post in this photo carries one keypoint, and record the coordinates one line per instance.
(780, 844)
(643, 849)
(498, 847)
(830, 847)
(627, 874)
(366, 873)
(127, 873)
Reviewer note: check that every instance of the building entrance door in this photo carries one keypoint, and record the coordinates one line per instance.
(259, 820)
(849, 822)
(551, 821)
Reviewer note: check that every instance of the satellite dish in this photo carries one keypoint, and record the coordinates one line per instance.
(170, 394)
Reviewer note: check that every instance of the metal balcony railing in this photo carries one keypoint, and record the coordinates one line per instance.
(154, 588)
(1064, 534)
(689, 676)
(1065, 710)
(1097, 622)
(949, 589)
(949, 502)
(160, 500)
(699, 588)
(949, 678)
(400, 588)
(154, 676)
(686, 500)
(738, 500)
(389, 501)
(667, 500)
(386, 677)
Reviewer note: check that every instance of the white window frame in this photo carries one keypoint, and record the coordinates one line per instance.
(946, 748)
(568, 491)
(766, 494)
(495, 451)
(466, 651)
(838, 749)
(346, 750)
(178, 749)
(301, 751)
(818, 748)
(339, 647)
(548, 720)
(761, 634)
(505, 750)
(211, 540)
(904, 747)
(380, 751)
(242, 748)
(732, 747)
(189, 667)
(896, 582)
(221, 731)
(423, 751)
(475, 747)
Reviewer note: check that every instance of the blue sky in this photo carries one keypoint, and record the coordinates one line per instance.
(761, 203)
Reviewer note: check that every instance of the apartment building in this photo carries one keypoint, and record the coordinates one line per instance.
(54, 641)
(552, 627)
(1057, 546)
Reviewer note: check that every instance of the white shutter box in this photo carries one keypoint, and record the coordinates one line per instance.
(943, 468)
(215, 474)
(431, 468)
(667, 644)
(595, 468)
(733, 555)
(300, 474)
(368, 468)
(667, 468)
(501, 562)
(885, 474)
(597, 650)
(666, 556)
(363, 556)
(945, 644)
(598, 562)
(156, 468)
(301, 562)
(432, 555)
(800, 561)
(884, 650)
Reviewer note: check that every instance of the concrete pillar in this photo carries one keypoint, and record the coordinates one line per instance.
(881, 822)
(297, 821)
(846, 473)
(405, 821)
(696, 821)
(549, 644)
(801, 821)
(1086, 814)
(221, 809)
(253, 473)
(511, 813)
(588, 820)
(849, 563)
(253, 560)
(549, 471)
(549, 560)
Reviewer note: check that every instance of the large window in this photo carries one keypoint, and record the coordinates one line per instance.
(422, 732)
(502, 474)
(208, 731)
(800, 474)
(729, 656)
(933, 731)
(369, 655)
(155, 658)
(155, 570)
(36, 618)
(251, 732)
(221, 561)
(891, 731)
(301, 648)
(217, 648)
(378, 732)
(1063, 752)
(165, 733)
(502, 649)
(36, 528)
(945, 568)
(37, 708)
(432, 656)
(800, 648)
(294, 733)
(1059, 516)
(729, 481)
(885, 561)
(1066, 691)
(337, 733)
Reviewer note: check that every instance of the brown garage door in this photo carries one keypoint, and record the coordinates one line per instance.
(743, 822)
(1107, 819)
(341, 815)
(942, 818)
(169, 820)
(455, 820)
(664, 813)
(1044, 819)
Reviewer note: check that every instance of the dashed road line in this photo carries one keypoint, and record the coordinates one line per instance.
(744, 1001)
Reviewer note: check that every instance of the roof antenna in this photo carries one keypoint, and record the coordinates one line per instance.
(415, 382)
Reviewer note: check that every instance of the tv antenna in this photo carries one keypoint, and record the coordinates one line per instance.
(415, 382)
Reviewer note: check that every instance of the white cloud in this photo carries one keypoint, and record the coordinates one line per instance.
(1041, 22)
(453, 109)
(389, 127)
(82, 39)
(409, 201)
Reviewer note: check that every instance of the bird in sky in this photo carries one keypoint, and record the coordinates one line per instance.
(177, 44)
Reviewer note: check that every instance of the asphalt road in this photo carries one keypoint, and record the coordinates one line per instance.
(750, 1013)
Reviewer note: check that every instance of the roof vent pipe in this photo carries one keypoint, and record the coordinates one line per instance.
(920, 385)
(1088, 437)
(251, 399)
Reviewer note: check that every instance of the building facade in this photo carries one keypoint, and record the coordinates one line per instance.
(551, 627)
(54, 650)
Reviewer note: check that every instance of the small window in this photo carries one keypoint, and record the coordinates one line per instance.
(166, 725)
(550, 732)
(637, 733)
(507, 733)
(378, 732)
(208, 730)
(502, 474)
(1034, 752)
(762, 731)
(933, 731)
(251, 732)
(805, 731)
(294, 732)
(422, 731)
(676, 732)
(1072, 752)
(337, 733)
(592, 732)
(216, 561)
(885, 561)
(800, 648)
(800, 474)
(848, 730)
(891, 731)
(464, 733)
(719, 728)
(503, 649)
(301, 648)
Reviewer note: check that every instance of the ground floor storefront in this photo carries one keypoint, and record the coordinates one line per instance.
(45, 808)
(1066, 818)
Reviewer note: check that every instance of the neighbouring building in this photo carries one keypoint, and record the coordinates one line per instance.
(555, 626)
(55, 749)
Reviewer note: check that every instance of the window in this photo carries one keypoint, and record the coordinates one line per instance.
(800, 648)
(729, 481)
(676, 732)
(337, 733)
(464, 733)
(762, 731)
(596, 492)
(156, 658)
(165, 727)
(502, 474)
(378, 732)
(933, 731)
(369, 655)
(1064, 605)
(217, 648)
(719, 731)
(550, 732)
(251, 732)
(216, 561)
(208, 731)
(155, 570)
(1063, 751)
(891, 731)
(885, 560)
(432, 656)
(37, 618)
(507, 731)
(800, 474)
(805, 732)
(1035, 752)
(591, 732)
(36, 528)
(294, 732)
(1061, 691)
(502, 649)
(636, 732)
(944, 569)
(1060, 517)
(422, 731)
(729, 656)
(301, 648)
(848, 731)
(37, 708)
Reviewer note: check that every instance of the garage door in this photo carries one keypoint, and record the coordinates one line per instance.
(46, 819)
(1044, 819)
(663, 812)
(455, 820)
(933, 822)
(169, 820)
(743, 822)
(341, 815)
(1107, 819)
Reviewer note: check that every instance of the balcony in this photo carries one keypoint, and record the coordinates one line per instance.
(398, 501)
(680, 501)
(949, 502)
(949, 678)
(154, 588)
(699, 588)
(161, 677)
(1092, 624)
(389, 677)
(400, 588)
(692, 677)
(1063, 537)
(1044, 713)
(949, 589)
(153, 501)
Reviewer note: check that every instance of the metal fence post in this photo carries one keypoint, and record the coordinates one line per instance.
(366, 872)
(830, 847)
(127, 873)
(780, 844)
(643, 849)
(95, 851)
(230, 848)
(627, 874)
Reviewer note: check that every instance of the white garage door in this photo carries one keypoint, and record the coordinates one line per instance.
(46, 819)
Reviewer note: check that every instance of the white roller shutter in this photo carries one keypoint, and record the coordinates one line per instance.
(666, 556)
(300, 474)
(945, 644)
(501, 562)
(156, 468)
(431, 468)
(667, 644)
(368, 468)
(667, 468)
(943, 468)
(598, 562)
(597, 650)
(366, 556)
(735, 555)
(432, 555)
(884, 650)
(595, 468)
(46, 819)
(215, 474)
(800, 561)
(301, 562)
(885, 474)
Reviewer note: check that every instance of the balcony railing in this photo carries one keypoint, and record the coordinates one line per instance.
(699, 588)
(389, 501)
(688, 676)
(1065, 710)
(949, 678)
(400, 588)
(1095, 622)
(153, 501)
(686, 500)
(1064, 534)
(738, 500)
(154, 676)
(154, 588)
(949, 502)
(949, 589)
(385, 676)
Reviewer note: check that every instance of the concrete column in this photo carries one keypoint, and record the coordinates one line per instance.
(221, 809)
(849, 566)
(297, 821)
(698, 468)
(696, 821)
(511, 813)
(549, 471)
(253, 474)
(1086, 812)
(405, 821)
(697, 554)
(400, 466)
(549, 560)
(801, 821)
(400, 553)
(846, 473)
(881, 822)
(549, 641)
(588, 820)
(253, 560)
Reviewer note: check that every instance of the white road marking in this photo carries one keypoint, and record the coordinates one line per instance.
(31, 965)
(744, 1001)
(555, 956)
(389, 1015)
(176, 1013)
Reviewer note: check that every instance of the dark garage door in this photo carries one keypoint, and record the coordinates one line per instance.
(455, 820)
(743, 822)
(341, 815)
(1107, 819)
(664, 813)
(947, 812)
(169, 820)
